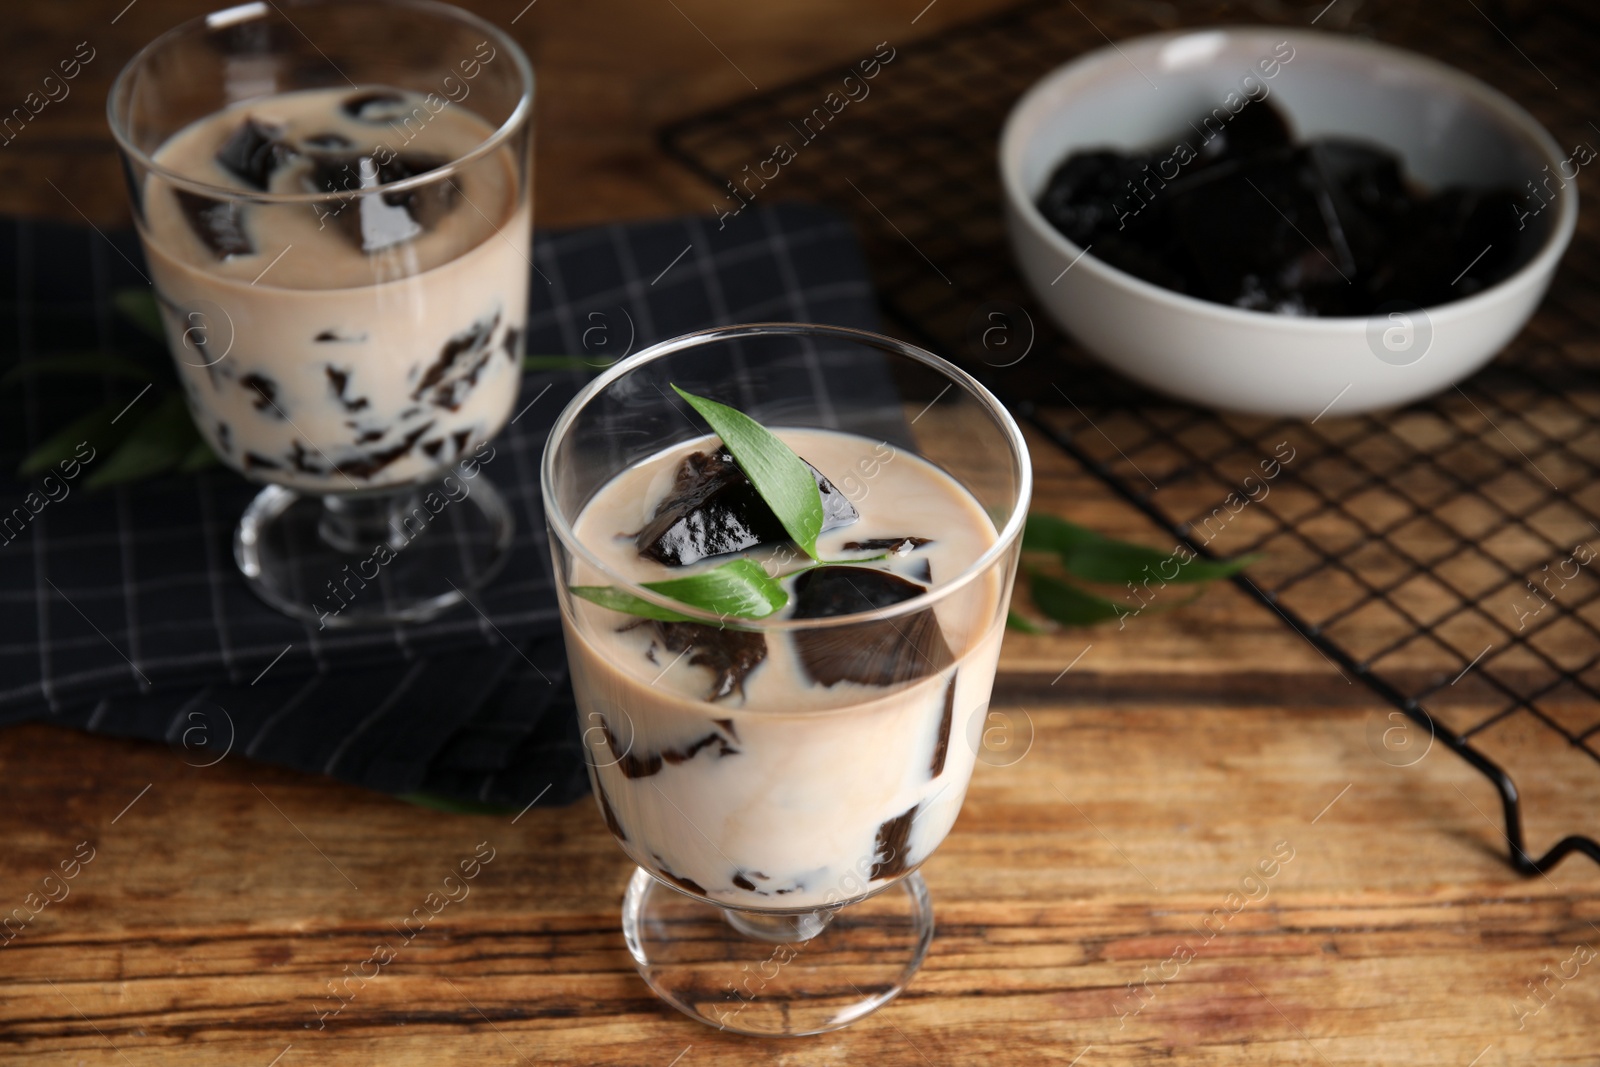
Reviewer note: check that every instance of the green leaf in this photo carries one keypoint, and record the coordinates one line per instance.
(455, 807)
(94, 429)
(738, 588)
(1205, 570)
(1070, 605)
(609, 596)
(781, 477)
(200, 458)
(1046, 533)
(1097, 558)
(139, 307)
(84, 363)
(159, 441)
(1023, 624)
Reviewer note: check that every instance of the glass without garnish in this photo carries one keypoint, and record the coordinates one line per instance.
(336, 213)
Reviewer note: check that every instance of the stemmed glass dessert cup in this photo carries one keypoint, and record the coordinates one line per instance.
(334, 201)
(779, 780)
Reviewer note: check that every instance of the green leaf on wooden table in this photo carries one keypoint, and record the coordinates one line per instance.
(94, 430)
(1070, 605)
(1023, 624)
(77, 363)
(1098, 558)
(739, 589)
(781, 477)
(159, 441)
(453, 806)
(139, 307)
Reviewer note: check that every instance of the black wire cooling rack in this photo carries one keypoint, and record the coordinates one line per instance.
(1432, 553)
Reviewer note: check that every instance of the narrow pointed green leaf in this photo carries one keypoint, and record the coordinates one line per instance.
(781, 477)
(80, 363)
(1205, 570)
(139, 307)
(737, 589)
(1046, 533)
(159, 441)
(1210, 570)
(93, 429)
(1097, 558)
(200, 458)
(1069, 605)
(609, 596)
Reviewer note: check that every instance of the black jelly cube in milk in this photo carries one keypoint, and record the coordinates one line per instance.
(253, 152)
(382, 220)
(713, 508)
(218, 223)
(730, 655)
(328, 140)
(877, 652)
(376, 105)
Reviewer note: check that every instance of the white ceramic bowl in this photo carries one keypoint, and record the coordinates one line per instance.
(1447, 127)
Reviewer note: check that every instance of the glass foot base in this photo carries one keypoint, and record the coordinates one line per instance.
(373, 559)
(776, 975)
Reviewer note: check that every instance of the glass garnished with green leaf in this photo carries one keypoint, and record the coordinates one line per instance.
(783, 608)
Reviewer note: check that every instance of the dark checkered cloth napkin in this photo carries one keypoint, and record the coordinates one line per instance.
(124, 614)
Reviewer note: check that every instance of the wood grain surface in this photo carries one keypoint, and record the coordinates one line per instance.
(1099, 902)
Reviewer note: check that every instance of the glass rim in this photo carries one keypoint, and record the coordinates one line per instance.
(242, 12)
(1010, 533)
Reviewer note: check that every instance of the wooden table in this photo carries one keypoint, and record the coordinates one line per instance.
(1171, 760)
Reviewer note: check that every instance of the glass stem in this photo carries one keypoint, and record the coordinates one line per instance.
(360, 523)
(779, 929)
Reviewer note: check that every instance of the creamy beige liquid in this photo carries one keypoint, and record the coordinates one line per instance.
(792, 794)
(312, 362)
